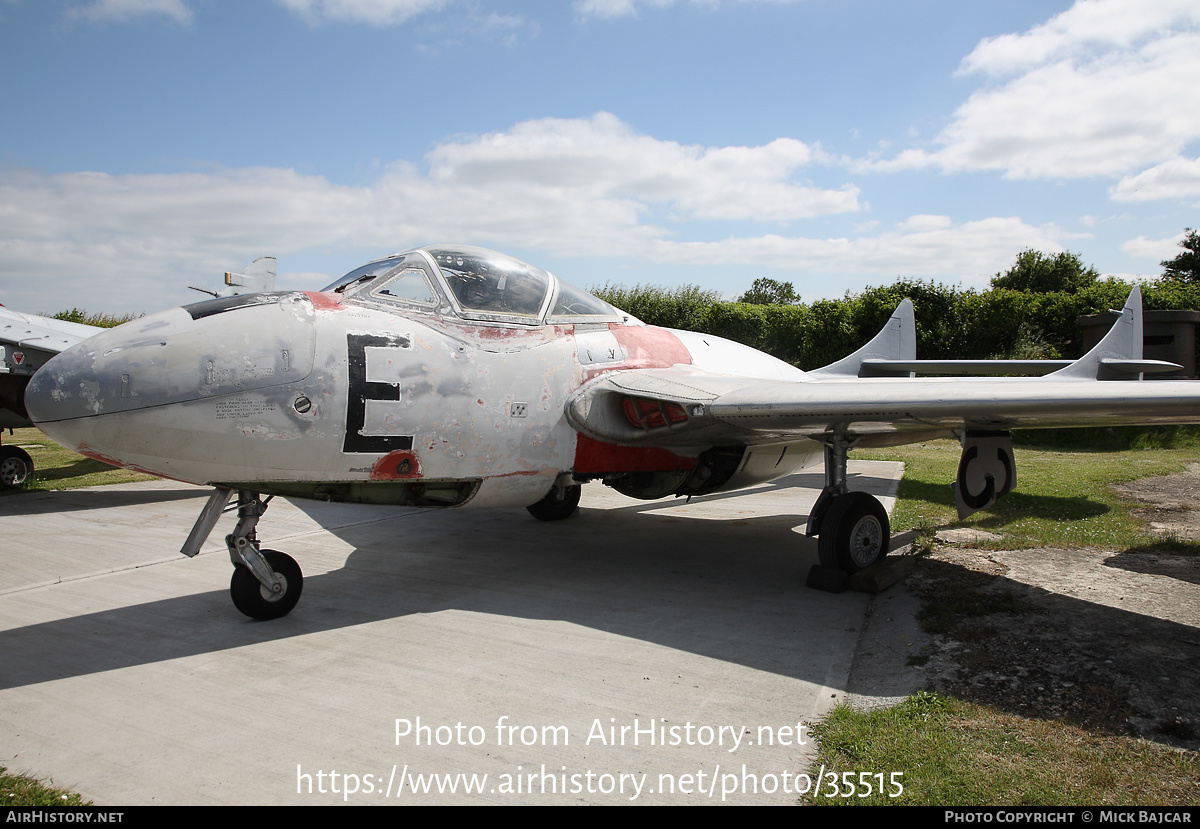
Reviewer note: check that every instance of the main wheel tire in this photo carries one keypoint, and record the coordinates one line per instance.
(558, 504)
(250, 597)
(855, 533)
(16, 466)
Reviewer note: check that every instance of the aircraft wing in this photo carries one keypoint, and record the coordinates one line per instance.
(39, 335)
(687, 406)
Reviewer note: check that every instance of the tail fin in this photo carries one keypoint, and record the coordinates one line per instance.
(258, 277)
(1119, 355)
(897, 340)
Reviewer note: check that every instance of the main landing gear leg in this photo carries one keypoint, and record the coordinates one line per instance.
(266, 584)
(852, 528)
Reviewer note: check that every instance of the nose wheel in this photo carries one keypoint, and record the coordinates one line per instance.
(266, 584)
(263, 602)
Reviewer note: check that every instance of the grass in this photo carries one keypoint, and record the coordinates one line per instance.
(1062, 499)
(23, 790)
(956, 753)
(959, 753)
(59, 468)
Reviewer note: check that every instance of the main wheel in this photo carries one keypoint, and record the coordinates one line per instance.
(15, 466)
(256, 601)
(558, 504)
(855, 532)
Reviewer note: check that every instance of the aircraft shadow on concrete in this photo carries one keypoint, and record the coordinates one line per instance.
(729, 590)
(72, 500)
(1157, 563)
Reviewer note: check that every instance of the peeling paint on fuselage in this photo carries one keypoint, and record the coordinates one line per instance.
(304, 392)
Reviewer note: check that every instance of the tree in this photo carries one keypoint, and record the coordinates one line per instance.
(1039, 273)
(766, 291)
(1186, 266)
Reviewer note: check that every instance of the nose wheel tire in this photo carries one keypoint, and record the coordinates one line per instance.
(855, 533)
(558, 504)
(257, 601)
(16, 466)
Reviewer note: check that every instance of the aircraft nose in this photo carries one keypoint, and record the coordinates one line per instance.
(205, 350)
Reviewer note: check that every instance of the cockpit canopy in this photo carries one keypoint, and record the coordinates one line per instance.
(475, 284)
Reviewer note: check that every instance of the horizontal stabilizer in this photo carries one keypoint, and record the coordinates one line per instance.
(900, 368)
(1137, 366)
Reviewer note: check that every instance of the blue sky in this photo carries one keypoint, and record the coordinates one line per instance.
(149, 144)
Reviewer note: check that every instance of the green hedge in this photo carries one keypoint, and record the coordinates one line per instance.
(952, 323)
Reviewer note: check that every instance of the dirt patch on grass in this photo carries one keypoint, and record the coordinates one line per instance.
(1106, 640)
(1172, 503)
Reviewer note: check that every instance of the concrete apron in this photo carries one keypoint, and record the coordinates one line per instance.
(640, 652)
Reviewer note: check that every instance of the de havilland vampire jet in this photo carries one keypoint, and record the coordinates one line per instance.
(454, 376)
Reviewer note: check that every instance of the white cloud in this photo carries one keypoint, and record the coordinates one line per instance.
(971, 252)
(606, 8)
(1156, 249)
(135, 241)
(589, 187)
(122, 10)
(924, 221)
(1102, 89)
(452, 31)
(506, 28)
(602, 161)
(232, 210)
(1177, 178)
(371, 12)
(1088, 28)
(610, 9)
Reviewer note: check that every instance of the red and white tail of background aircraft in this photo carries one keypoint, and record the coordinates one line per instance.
(452, 376)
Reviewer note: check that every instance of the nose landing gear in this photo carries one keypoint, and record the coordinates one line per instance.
(266, 584)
